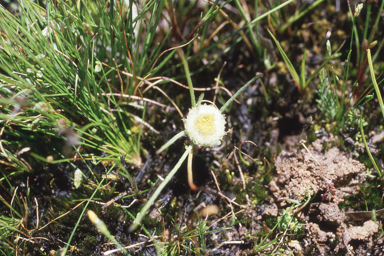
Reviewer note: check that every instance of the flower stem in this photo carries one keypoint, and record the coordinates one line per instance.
(188, 76)
(190, 173)
(171, 141)
(157, 192)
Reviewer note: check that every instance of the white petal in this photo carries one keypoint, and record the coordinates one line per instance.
(205, 125)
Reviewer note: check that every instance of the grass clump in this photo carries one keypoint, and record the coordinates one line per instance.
(50, 73)
(58, 104)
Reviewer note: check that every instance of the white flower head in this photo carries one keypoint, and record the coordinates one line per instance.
(205, 125)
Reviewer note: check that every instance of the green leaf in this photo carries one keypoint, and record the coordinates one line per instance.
(290, 67)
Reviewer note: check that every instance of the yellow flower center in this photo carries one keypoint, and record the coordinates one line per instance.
(205, 125)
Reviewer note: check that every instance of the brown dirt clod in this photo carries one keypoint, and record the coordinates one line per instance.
(332, 175)
(315, 171)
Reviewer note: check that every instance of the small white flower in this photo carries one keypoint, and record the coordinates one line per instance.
(205, 125)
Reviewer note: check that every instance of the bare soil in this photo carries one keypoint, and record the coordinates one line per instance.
(328, 176)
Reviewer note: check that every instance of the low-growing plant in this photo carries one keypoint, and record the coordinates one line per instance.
(336, 106)
(204, 126)
(42, 75)
(300, 77)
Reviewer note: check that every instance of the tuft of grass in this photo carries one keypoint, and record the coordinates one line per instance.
(300, 77)
(51, 75)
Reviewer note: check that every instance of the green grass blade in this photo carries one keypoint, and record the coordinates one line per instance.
(302, 72)
(377, 90)
(366, 145)
(290, 67)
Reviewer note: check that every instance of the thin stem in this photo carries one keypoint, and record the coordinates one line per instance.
(298, 16)
(200, 100)
(375, 28)
(366, 145)
(188, 76)
(225, 106)
(141, 127)
(171, 141)
(267, 13)
(357, 41)
(85, 207)
(141, 215)
(254, 41)
(372, 71)
(190, 173)
(100, 225)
